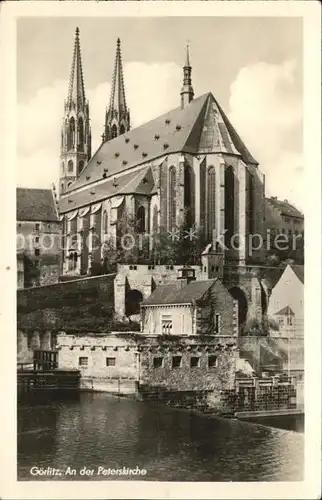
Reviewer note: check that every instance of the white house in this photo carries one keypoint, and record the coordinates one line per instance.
(286, 303)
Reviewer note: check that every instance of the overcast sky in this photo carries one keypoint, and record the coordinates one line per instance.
(253, 66)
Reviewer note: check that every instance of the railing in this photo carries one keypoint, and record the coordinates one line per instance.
(45, 360)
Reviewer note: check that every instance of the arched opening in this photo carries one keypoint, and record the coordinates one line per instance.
(229, 205)
(80, 167)
(240, 296)
(114, 131)
(71, 135)
(105, 222)
(70, 166)
(80, 134)
(172, 198)
(122, 129)
(211, 202)
(189, 195)
(140, 218)
(133, 299)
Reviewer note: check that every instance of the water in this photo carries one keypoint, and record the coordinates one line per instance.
(172, 445)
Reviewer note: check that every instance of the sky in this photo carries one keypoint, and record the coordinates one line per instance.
(253, 66)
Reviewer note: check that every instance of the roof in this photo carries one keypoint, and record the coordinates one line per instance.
(299, 271)
(285, 207)
(171, 294)
(36, 205)
(286, 311)
(200, 127)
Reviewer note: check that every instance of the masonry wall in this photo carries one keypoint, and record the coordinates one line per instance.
(81, 305)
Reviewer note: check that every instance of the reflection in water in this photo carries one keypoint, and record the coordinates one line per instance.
(100, 430)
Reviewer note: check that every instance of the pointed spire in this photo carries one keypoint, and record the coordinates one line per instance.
(117, 101)
(117, 119)
(187, 92)
(76, 91)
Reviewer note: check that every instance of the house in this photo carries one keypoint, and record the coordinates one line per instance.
(38, 237)
(190, 307)
(286, 303)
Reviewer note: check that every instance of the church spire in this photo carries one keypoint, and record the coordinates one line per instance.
(187, 89)
(76, 91)
(76, 137)
(117, 118)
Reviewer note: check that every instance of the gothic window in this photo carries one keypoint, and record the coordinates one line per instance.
(155, 219)
(140, 217)
(189, 195)
(70, 166)
(80, 167)
(114, 131)
(81, 134)
(211, 201)
(71, 136)
(229, 205)
(122, 129)
(69, 184)
(172, 198)
(105, 222)
(250, 201)
(66, 133)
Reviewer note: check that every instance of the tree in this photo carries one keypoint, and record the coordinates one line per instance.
(31, 272)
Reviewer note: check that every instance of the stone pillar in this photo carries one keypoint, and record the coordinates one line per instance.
(35, 341)
(45, 343)
(22, 346)
(119, 295)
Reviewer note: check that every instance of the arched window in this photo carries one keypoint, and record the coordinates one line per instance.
(71, 136)
(140, 217)
(250, 201)
(122, 129)
(172, 198)
(189, 195)
(211, 202)
(80, 167)
(66, 133)
(105, 222)
(70, 166)
(81, 134)
(69, 184)
(229, 205)
(114, 131)
(155, 220)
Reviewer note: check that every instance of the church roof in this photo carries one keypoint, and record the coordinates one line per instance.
(76, 90)
(170, 294)
(200, 127)
(299, 271)
(36, 205)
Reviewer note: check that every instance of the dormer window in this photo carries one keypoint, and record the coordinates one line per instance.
(178, 127)
(127, 140)
(117, 155)
(88, 177)
(166, 145)
(144, 155)
(167, 121)
(135, 146)
(156, 137)
(124, 162)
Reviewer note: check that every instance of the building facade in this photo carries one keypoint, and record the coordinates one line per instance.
(282, 217)
(38, 237)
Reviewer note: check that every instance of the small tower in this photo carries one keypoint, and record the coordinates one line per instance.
(187, 90)
(117, 116)
(76, 136)
(186, 274)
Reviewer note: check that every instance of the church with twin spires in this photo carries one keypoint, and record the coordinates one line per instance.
(188, 163)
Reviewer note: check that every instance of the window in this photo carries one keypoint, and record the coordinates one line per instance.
(217, 323)
(157, 362)
(80, 167)
(229, 205)
(194, 361)
(281, 321)
(81, 134)
(140, 217)
(189, 195)
(70, 166)
(217, 269)
(37, 239)
(122, 129)
(114, 131)
(250, 201)
(176, 361)
(36, 263)
(289, 320)
(283, 231)
(37, 227)
(166, 324)
(172, 198)
(83, 361)
(211, 202)
(37, 252)
(110, 361)
(105, 222)
(212, 361)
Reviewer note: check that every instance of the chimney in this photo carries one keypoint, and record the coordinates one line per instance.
(185, 276)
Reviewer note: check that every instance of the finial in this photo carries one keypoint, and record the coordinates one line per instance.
(187, 55)
(118, 43)
(77, 31)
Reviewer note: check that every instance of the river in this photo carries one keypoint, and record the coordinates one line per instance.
(97, 430)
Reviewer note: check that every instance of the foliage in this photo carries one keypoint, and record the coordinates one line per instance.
(286, 249)
(254, 327)
(31, 272)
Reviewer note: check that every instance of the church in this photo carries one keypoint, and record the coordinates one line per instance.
(189, 163)
(188, 166)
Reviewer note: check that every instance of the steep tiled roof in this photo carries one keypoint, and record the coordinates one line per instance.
(131, 182)
(179, 130)
(170, 294)
(36, 205)
(286, 311)
(285, 207)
